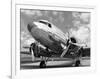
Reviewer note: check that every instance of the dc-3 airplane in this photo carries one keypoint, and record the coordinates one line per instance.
(54, 43)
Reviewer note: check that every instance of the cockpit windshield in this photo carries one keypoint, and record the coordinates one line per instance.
(46, 23)
(43, 22)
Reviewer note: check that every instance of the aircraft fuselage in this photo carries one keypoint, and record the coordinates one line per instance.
(47, 36)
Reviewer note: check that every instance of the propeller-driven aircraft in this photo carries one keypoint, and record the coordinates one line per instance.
(51, 41)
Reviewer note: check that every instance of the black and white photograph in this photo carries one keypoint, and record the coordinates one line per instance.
(54, 39)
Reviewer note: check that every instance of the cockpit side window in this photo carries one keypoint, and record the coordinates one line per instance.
(49, 25)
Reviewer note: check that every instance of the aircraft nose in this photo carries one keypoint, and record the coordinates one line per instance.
(30, 26)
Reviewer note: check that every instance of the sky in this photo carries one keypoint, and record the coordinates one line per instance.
(76, 24)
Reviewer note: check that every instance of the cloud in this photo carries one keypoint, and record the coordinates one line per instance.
(76, 14)
(85, 17)
(32, 12)
(28, 12)
(61, 18)
(82, 34)
(26, 38)
(81, 22)
(29, 41)
(76, 23)
(38, 13)
(55, 13)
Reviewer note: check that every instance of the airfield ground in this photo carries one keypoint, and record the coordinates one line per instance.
(27, 63)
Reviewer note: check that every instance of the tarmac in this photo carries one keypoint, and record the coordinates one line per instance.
(27, 62)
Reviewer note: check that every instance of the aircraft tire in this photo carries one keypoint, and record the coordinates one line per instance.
(42, 64)
(77, 63)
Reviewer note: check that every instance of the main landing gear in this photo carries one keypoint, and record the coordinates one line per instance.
(77, 63)
(43, 64)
